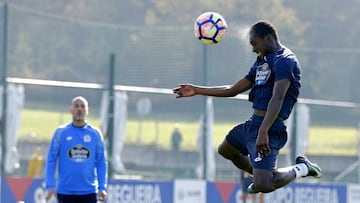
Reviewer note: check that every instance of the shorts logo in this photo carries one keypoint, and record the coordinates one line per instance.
(258, 158)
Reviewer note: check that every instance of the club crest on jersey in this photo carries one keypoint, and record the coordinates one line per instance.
(262, 74)
(87, 138)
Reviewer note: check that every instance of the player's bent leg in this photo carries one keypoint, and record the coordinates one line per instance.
(283, 176)
(262, 181)
(267, 181)
(228, 151)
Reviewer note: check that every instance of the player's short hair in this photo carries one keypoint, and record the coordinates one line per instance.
(263, 28)
(81, 99)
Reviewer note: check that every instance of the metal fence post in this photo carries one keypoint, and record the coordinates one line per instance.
(4, 93)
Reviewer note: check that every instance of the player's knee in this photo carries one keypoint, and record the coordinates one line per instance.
(264, 186)
(221, 151)
(226, 150)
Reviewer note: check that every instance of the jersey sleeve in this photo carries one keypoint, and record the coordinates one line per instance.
(101, 162)
(251, 74)
(51, 161)
(284, 69)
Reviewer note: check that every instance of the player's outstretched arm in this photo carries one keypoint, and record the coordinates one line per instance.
(184, 90)
(189, 90)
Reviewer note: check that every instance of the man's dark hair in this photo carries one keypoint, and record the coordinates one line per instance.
(263, 28)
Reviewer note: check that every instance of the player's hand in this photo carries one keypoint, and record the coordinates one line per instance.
(102, 194)
(184, 90)
(262, 144)
(49, 194)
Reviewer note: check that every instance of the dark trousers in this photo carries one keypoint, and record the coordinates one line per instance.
(88, 198)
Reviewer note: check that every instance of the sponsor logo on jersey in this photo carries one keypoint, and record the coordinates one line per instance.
(262, 74)
(79, 153)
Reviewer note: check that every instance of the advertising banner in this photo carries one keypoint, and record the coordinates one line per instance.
(14, 189)
(223, 192)
(189, 191)
(314, 193)
(130, 191)
(30, 190)
(353, 193)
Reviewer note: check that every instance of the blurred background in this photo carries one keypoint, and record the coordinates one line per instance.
(154, 49)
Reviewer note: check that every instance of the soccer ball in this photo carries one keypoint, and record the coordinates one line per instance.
(210, 28)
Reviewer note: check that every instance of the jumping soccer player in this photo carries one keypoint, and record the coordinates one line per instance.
(274, 83)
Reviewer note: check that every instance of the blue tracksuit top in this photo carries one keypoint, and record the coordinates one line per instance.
(281, 64)
(79, 155)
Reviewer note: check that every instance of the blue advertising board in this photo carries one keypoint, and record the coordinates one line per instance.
(314, 193)
(30, 190)
(15, 189)
(126, 191)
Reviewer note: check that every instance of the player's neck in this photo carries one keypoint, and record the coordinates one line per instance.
(79, 123)
(272, 47)
(276, 46)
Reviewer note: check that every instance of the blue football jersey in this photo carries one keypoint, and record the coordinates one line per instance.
(275, 66)
(79, 155)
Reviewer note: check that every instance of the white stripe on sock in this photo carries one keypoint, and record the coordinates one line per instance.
(301, 170)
